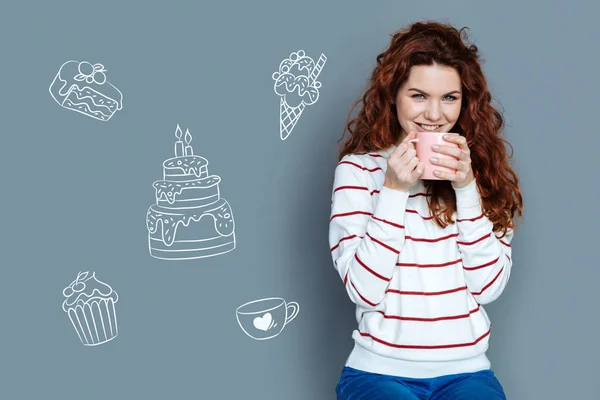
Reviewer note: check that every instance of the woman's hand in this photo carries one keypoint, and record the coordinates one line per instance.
(464, 174)
(403, 166)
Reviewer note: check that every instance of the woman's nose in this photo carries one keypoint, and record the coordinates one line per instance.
(432, 112)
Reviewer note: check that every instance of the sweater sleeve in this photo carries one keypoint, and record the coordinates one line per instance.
(365, 239)
(486, 259)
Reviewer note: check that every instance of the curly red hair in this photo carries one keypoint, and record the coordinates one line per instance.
(376, 126)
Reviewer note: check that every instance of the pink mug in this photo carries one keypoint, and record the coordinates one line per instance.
(424, 141)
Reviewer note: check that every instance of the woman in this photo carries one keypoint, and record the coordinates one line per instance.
(419, 258)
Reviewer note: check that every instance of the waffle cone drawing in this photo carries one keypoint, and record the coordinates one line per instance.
(289, 117)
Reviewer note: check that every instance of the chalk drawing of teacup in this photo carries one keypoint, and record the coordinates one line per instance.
(265, 318)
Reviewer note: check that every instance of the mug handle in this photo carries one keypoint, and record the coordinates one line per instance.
(295, 308)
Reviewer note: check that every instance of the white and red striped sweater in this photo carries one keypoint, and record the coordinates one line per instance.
(418, 289)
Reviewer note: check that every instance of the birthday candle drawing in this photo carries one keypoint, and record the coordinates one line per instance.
(178, 143)
(188, 138)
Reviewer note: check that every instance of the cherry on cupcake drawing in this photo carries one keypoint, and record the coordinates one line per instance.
(76, 286)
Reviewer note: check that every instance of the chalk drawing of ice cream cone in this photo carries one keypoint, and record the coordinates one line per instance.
(297, 85)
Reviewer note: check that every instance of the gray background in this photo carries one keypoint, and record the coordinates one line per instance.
(75, 193)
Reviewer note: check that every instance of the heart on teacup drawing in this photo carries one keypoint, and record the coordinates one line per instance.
(264, 323)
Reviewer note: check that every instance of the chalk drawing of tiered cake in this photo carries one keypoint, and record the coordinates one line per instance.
(190, 219)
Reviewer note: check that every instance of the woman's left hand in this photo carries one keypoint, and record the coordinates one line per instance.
(462, 164)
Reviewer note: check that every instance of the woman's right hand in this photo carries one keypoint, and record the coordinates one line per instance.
(403, 166)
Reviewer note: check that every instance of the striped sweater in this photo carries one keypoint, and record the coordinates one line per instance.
(418, 289)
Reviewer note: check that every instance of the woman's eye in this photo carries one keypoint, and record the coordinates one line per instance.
(449, 97)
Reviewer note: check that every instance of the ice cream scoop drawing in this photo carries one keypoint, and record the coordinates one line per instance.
(296, 84)
(90, 305)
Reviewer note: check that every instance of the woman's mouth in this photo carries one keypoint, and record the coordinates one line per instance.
(428, 128)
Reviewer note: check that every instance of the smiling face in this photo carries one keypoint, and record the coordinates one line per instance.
(430, 99)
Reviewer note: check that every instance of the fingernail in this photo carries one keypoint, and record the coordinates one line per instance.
(434, 159)
(436, 172)
(446, 136)
(435, 147)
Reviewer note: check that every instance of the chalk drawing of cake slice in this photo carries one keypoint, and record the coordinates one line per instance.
(190, 218)
(82, 87)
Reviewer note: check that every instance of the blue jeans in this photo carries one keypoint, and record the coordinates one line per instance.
(360, 385)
